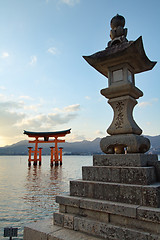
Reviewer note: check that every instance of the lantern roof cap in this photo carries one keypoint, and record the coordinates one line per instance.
(131, 52)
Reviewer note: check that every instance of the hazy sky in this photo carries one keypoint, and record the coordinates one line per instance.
(46, 85)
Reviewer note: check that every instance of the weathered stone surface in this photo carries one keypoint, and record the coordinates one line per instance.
(132, 160)
(73, 210)
(96, 215)
(87, 226)
(135, 175)
(45, 230)
(109, 231)
(93, 224)
(123, 122)
(121, 73)
(58, 219)
(131, 223)
(118, 32)
(62, 208)
(39, 230)
(116, 55)
(129, 175)
(115, 232)
(66, 200)
(109, 207)
(104, 174)
(130, 194)
(104, 191)
(77, 188)
(156, 165)
(98, 205)
(117, 143)
(68, 221)
(30, 233)
(126, 89)
(151, 195)
(124, 193)
(97, 190)
(148, 214)
(67, 234)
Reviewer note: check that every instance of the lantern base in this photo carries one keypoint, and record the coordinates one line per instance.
(124, 143)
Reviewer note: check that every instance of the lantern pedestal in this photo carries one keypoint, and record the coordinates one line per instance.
(124, 143)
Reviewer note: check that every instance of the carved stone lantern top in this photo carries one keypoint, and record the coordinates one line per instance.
(131, 52)
(117, 21)
(118, 33)
(119, 62)
(120, 50)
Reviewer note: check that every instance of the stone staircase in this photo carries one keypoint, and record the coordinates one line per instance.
(117, 198)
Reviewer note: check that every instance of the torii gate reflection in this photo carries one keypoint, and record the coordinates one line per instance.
(56, 154)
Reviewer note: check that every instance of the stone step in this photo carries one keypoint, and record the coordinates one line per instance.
(133, 219)
(45, 230)
(130, 160)
(144, 195)
(116, 174)
(101, 229)
(81, 205)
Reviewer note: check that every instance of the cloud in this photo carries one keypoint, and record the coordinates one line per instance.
(149, 103)
(87, 97)
(31, 122)
(75, 137)
(26, 97)
(72, 108)
(33, 60)
(2, 88)
(50, 120)
(5, 55)
(144, 104)
(2, 97)
(52, 50)
(98, 132)
(17, 116)
(70, 2)
(9, 105)
(155, 100)
(9, 117)
(35, 107)
(45, 122)
(40, 122)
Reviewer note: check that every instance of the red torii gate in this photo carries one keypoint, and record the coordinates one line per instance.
(56, 155)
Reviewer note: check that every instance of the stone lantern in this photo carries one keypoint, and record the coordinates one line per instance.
(119, 196)
(119, 62)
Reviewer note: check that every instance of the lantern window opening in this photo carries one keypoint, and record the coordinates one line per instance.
(121, 73)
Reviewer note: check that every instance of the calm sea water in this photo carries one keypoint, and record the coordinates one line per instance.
(28, 194)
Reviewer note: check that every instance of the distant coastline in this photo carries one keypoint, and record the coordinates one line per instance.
(71, 148)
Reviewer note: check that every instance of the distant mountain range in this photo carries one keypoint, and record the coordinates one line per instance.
(74, 148)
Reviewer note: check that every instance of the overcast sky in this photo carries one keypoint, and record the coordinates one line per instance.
(46, 85)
